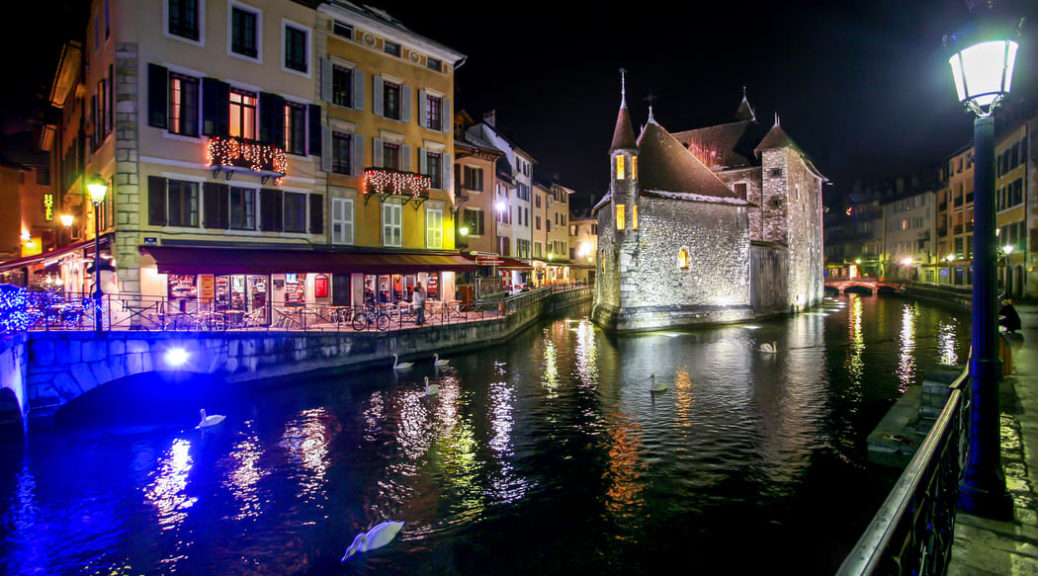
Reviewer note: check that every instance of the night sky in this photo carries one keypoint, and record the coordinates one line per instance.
(863, 86)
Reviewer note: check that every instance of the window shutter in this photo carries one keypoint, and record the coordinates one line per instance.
(338, 207)
(376, 153)
(156, 201)
(317, 214)
(326, 144)
(216, 107)
(272, 119)
(446, 118)
(423, 105)
(446, 179)
(216, 206)
(314, 117)
(158, 92)
(326, 79)
(376, 96)
(423, 161)
(357, 142)
(358, 89)
(405, 158)
(405, 103)
(270, 210)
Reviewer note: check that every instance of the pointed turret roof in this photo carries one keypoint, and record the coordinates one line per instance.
(623, 133)
(665, 166)
(777, 138)
(745, 112)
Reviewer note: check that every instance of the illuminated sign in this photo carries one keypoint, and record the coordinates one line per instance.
(48, 207)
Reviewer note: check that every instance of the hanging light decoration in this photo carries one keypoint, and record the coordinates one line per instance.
(385, 181)
(244, 154)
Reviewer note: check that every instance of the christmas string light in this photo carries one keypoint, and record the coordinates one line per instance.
(254, 156)
(14, 309)
(382, 181)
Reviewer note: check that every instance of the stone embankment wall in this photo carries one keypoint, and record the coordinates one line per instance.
(13, 377)
(63, 365)
(958, 298)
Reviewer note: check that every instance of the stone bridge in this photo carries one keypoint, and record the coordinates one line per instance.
(43, 371)
(861, 283)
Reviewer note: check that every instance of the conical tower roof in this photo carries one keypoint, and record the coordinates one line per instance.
(745, 112)
(623, 134)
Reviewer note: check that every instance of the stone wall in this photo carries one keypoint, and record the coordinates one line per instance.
(64, 365)
(13, 378)
(126, 184)
(768, 290)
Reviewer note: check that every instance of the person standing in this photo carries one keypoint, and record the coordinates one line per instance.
(418, 301)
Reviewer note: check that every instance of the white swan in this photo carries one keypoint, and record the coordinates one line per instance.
(209, 420)
(438, 362)
(377, 537)
(431, 389)
(771, 348)
(401, 365)
(655, 386)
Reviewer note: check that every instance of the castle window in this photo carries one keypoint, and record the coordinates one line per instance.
(634, 167)
(776, 172)
(684, 261)
(634, 217)
(619, 167)
(620, 221)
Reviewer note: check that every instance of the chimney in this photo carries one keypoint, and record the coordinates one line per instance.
(490, 118)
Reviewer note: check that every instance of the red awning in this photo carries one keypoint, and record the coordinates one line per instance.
(216, 260)
(500, 262)
(513, 264)
(35, 259)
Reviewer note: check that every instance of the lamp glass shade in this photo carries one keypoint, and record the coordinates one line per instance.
(500, 205)
(97, 190)
(66, 219)
(984, 72)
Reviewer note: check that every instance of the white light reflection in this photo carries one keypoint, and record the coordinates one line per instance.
(306, 439)
(550, 379)
(245, 475)
(906, 350)
(167, 491)
(946, 343)
(855, 364)
(374, 417)
(587, 354)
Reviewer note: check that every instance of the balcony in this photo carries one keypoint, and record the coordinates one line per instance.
(385, 182)
(240, 155)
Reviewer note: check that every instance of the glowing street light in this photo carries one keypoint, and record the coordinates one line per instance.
(982, 64)
(97, 188)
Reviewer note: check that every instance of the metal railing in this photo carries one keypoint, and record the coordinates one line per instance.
(69, 311)
(913, 531)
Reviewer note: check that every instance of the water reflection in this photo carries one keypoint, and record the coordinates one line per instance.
(244, 477)
(906, 350)
(306, 438)
(855, 364)
(168, 489)
(947, 342)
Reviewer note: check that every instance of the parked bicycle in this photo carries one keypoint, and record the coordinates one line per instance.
(371, 316)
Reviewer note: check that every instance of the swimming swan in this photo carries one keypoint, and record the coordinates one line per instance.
(431, 389)
(209, 420)
(438, 362)
(401, 365)
(655, 386)
(771, 348)
(377, 537)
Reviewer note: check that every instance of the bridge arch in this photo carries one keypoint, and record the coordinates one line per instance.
(12, 427)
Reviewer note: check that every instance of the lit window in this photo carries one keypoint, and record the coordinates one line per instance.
(243, 114)
(634, 217)
(619, 167)
(683, 259)
(620, 222)
(634, 167)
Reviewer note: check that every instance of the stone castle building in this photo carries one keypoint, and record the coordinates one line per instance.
(714, 225)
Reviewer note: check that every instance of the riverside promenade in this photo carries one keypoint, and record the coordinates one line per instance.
(1010, 547)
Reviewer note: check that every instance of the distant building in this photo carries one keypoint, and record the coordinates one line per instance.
(583, 246)
(721, 225)
(909, 238)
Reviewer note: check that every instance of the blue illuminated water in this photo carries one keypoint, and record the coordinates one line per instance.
(547, 455)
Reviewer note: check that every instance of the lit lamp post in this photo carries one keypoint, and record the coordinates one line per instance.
(983, 71)
(500, 206)
(97, 188)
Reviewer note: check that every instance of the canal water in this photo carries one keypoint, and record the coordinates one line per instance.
(548, 455)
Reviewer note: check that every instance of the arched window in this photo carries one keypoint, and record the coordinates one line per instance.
(684, 261)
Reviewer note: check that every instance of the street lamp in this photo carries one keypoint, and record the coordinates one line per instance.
(97, 188)
(982, 65)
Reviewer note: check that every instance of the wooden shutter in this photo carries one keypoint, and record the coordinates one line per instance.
(272, 119)
(446, 118)
(156, 201)
(326, 143)
(158, 92)
(357, 145)
(314, 117)
(423, 161)
(358, 89)
(216, 201)
(376, 153)
(216, 107)
(317, 214)
(445, 178)
(271, 209)
(423, 109)
(376, 96)
(405, 103)
(405, 158)
(327, 71)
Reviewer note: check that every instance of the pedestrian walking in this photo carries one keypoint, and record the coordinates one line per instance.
(418, 301)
